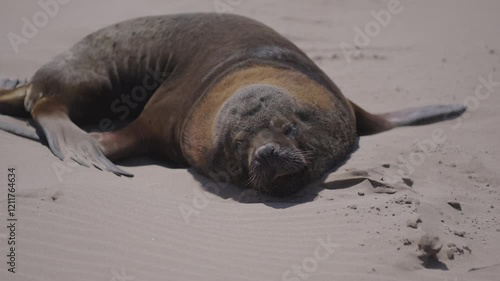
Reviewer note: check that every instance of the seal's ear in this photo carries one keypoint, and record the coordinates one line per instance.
(368, 123)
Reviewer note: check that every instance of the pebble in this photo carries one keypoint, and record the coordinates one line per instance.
(431, 245)
(413, 223)
(456, 205)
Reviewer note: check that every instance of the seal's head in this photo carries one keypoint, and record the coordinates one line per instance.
(269, 141)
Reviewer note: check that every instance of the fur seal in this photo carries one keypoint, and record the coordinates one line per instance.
(220, 93)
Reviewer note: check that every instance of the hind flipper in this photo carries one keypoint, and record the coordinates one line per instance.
(10, 84)
(68, 141)
(18, 127)
(368, 123)
(12, 95)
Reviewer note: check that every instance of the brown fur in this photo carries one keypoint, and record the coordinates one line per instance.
(198, 129)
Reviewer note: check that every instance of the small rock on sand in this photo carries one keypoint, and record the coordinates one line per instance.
(450, 253)
(408, 182)
(467, 249)
(453, 250)
(406, 242)
(430, 245)
(413, 222)
(456, 205)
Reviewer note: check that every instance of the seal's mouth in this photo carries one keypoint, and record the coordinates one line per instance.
(276, 169)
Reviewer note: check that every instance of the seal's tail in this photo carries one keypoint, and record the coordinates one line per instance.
(368, 123)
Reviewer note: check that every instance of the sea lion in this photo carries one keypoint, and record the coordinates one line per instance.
(215, 92)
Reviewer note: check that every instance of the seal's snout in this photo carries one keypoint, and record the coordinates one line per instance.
(266, 151)
(276, 168)
(278, 160)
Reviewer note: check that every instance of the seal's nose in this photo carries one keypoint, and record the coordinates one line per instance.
(266, 151)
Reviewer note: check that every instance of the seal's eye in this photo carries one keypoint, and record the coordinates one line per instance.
(242, 143)
(240, 139)
(288, 129)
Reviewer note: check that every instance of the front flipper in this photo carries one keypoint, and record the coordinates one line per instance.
(368, 123)
(424, 115)
(68, 141)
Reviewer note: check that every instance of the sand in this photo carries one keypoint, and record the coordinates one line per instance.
(363, 223)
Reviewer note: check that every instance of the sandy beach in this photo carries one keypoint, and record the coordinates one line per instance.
(364, 222)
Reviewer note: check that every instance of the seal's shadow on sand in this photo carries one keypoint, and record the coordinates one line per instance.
(433, 263)
(332, 180)
(251, 196)
(248, 196)
(337, 181)
(148, 161)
